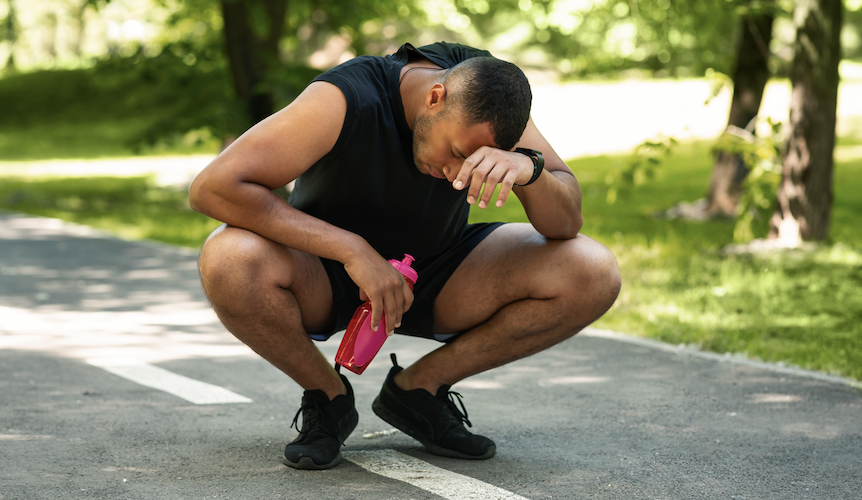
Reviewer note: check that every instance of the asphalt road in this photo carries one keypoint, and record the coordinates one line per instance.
(593, 417)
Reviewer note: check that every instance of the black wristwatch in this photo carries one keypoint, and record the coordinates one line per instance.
(538, 163)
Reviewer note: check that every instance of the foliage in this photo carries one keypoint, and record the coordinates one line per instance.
(308, 24)
(646, 158)
(676, 37)
(131, 207)
(759, 153)
(798, 308)
(761, 156)
(127, 105)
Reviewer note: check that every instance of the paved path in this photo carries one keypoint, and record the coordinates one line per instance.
(84, 315)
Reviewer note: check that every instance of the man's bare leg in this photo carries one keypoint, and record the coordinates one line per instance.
(516, 294)
(270, 297)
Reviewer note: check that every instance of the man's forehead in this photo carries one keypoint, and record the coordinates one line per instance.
(475, 136)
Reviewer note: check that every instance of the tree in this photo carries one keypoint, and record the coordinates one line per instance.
(10, 34)
(805, 193)
(255, 32)
(661, 37)
(251, 52)
(750, 75)
(78, 10)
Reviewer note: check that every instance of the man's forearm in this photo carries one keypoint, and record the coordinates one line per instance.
(553, 204)
(256, 208)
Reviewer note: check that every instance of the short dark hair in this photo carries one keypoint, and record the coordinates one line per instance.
(488, 90)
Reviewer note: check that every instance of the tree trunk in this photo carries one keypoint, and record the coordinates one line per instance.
(251, 55)
(805, 193)
(78, 14)
(10, 26)
(749, 80)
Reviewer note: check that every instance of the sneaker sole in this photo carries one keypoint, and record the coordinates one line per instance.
(306, 463)
(407, 428)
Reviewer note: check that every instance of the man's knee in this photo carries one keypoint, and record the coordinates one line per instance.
(593, 275)
(231, 259)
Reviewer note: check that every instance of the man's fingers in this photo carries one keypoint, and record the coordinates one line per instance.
(495, 176)
(393, 316)
(465, 173)
(506, 188)
(377, 310)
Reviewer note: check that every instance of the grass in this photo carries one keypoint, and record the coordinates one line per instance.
(117, 108)
(798, 308)
(130, 207)
(801, 308)
(123, 107)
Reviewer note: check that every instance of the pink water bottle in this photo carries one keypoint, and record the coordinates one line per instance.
(360, 343)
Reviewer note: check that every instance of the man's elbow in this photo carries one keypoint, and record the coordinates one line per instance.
(197, 194)
(564, 231)
(577, 224)
(574, 227)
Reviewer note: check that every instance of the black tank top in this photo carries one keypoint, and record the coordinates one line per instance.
(368, 183)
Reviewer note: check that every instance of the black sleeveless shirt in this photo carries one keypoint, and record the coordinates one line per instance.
(368, 183)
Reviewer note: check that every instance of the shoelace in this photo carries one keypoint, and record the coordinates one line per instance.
(454, 409)
(313, 418)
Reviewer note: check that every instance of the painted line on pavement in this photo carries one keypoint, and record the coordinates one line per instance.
(737, 359)
(195, 391)
(447, 484)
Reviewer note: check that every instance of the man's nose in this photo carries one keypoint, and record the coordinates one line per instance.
(446, 170)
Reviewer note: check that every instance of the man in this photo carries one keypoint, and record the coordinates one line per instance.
(389, 153)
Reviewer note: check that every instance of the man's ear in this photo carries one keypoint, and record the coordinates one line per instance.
(435, 99)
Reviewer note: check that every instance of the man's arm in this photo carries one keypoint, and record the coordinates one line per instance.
(236, 188)
(552, 202)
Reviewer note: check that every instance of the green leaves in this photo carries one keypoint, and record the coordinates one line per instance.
(647, 157)
(760, 154)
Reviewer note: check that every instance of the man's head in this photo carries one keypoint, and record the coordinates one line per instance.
(488, 90)
(485, 102)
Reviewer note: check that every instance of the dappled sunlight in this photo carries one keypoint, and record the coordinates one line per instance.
(591, 118)
(168, 170)
(480, 384)
(775, 398)
(573, 380)
(811, 431)
(145, 336)
(75, 292)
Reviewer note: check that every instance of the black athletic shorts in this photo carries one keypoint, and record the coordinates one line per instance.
(433, 273)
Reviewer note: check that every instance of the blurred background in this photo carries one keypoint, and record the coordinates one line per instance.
(152, 76)
(674, 114)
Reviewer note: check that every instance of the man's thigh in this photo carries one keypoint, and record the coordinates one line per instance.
(513, 263)
(239, 265)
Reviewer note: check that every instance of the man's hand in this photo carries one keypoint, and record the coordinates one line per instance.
(488, 167)
(384, 286)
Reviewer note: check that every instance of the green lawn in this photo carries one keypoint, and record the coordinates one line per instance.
(130, 207)
(799, 308)
(803, 309)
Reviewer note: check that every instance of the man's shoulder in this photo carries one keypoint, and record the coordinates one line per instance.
(359, 78)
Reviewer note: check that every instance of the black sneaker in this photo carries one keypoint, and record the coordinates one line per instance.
(325, 426)
(434, 421)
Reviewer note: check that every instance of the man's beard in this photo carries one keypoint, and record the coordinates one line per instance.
(421, 131)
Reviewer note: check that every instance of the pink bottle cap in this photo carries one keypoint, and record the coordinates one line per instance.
(404, 268)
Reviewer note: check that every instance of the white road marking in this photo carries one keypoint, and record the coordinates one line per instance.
(195, 391)
(401, 467)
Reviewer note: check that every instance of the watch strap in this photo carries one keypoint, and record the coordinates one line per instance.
(538, 163)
